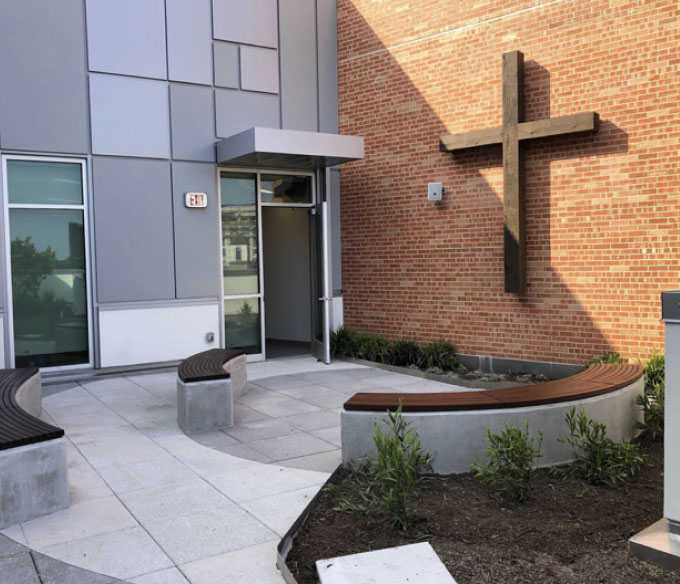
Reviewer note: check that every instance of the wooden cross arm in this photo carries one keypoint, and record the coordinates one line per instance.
(576, 123)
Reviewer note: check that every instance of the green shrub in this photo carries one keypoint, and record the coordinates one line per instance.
(405, 354)
(439, 355)
(343, 342)
(398, 466)
(599, 460)
(606, 358)
(653, 399)
(511, 458)
(374, 348)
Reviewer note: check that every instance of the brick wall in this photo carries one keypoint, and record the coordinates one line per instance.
(602, 211)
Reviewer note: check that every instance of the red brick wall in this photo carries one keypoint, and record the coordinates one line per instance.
(602, 211)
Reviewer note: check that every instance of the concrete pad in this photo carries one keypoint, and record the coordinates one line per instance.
(258, 395)
(144, 474)
(255, 564)
(171, 576)
(331, 435)
(244, 414)
(78, 521)
(124, 445)
(293, 446)
(214, 439)
(53, 571)
(256, 482)
(15, 533)
(405, 564)
(208, 533)
(84, 482)
(324, 461)
(245, 453)
(9, 547)
(121, 554)
(314, 420)
(327, 402)
(18, 569)
(279, 512)
(261, 430)
(168, 501)
(282, 382)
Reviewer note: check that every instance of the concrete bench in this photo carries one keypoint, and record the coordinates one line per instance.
(453, 426)
(33, 467)
(207, 384)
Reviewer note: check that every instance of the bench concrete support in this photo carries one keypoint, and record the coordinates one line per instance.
(33, 481)
(205, 405)
(237, 369)
(457, 438)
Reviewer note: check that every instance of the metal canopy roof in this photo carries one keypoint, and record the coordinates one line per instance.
(290, 149)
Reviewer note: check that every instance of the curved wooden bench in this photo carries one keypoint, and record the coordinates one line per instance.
(33, 468)
(207, 384)
(207, 365)
(595, 380)
(18, 427)
(453, 425)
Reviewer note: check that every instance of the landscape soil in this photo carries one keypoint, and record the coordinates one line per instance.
(569, 532)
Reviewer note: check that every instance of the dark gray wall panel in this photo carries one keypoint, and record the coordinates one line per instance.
(327, 39)
(252, 22)
(127, 37)
(193, 122)
(133, 229)
(196, 232)
(298, 65)
(239, 110)
(336, 244)
(226, 65)
(259, 69)
(189, 24)
(129, 116)
(43, 84)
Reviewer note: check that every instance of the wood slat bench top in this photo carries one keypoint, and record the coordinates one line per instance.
(18, 427)
(598, 379)
(208, 365)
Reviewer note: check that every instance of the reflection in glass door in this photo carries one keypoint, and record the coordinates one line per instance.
(47, 262)
(241, 262)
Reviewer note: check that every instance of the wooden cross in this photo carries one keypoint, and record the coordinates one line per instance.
(511, 135)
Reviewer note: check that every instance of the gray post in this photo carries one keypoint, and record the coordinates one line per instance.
(660, 543)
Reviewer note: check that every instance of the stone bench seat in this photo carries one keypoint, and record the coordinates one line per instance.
(33, 468)
(207, 384)
(453, 425)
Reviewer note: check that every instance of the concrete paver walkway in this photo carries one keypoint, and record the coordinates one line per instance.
(150, 505)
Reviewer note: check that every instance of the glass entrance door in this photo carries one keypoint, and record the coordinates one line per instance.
(47, 249)
(241, 266)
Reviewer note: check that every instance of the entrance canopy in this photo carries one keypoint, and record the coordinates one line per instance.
(274, 148)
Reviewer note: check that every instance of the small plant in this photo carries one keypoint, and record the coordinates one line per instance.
(599, 460)
(653, 399)
(512, 456)
(396, 471)
(406, 354)
(439, 355)
(374, 348)
(343, 342)
(610, 357)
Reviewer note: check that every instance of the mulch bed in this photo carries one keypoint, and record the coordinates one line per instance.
(570, 532)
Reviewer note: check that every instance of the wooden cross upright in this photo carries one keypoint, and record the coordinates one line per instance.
(511, 135)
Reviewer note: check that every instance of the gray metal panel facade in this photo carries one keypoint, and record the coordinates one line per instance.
(197, 252)
(127, 37)
(226, 65)
(327, 39)
(192, 114)
(335, 242)
(298, 65)
(129, 116)
(239, 110)
(43, 85)
(133, 227)
(189, 25)
(251, 22)
(259, 69)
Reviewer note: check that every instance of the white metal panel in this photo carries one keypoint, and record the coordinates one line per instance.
(156, 334)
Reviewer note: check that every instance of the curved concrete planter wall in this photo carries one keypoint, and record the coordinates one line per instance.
(456, 439)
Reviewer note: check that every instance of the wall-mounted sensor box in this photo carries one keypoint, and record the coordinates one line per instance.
(434, 191)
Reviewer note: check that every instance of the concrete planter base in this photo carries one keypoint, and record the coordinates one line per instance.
(33, 481)
(456, 439)
(204, 405)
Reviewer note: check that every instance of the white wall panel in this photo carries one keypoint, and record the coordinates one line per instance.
(154, 335)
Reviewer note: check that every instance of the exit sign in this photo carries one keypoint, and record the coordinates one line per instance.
(196, 200)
